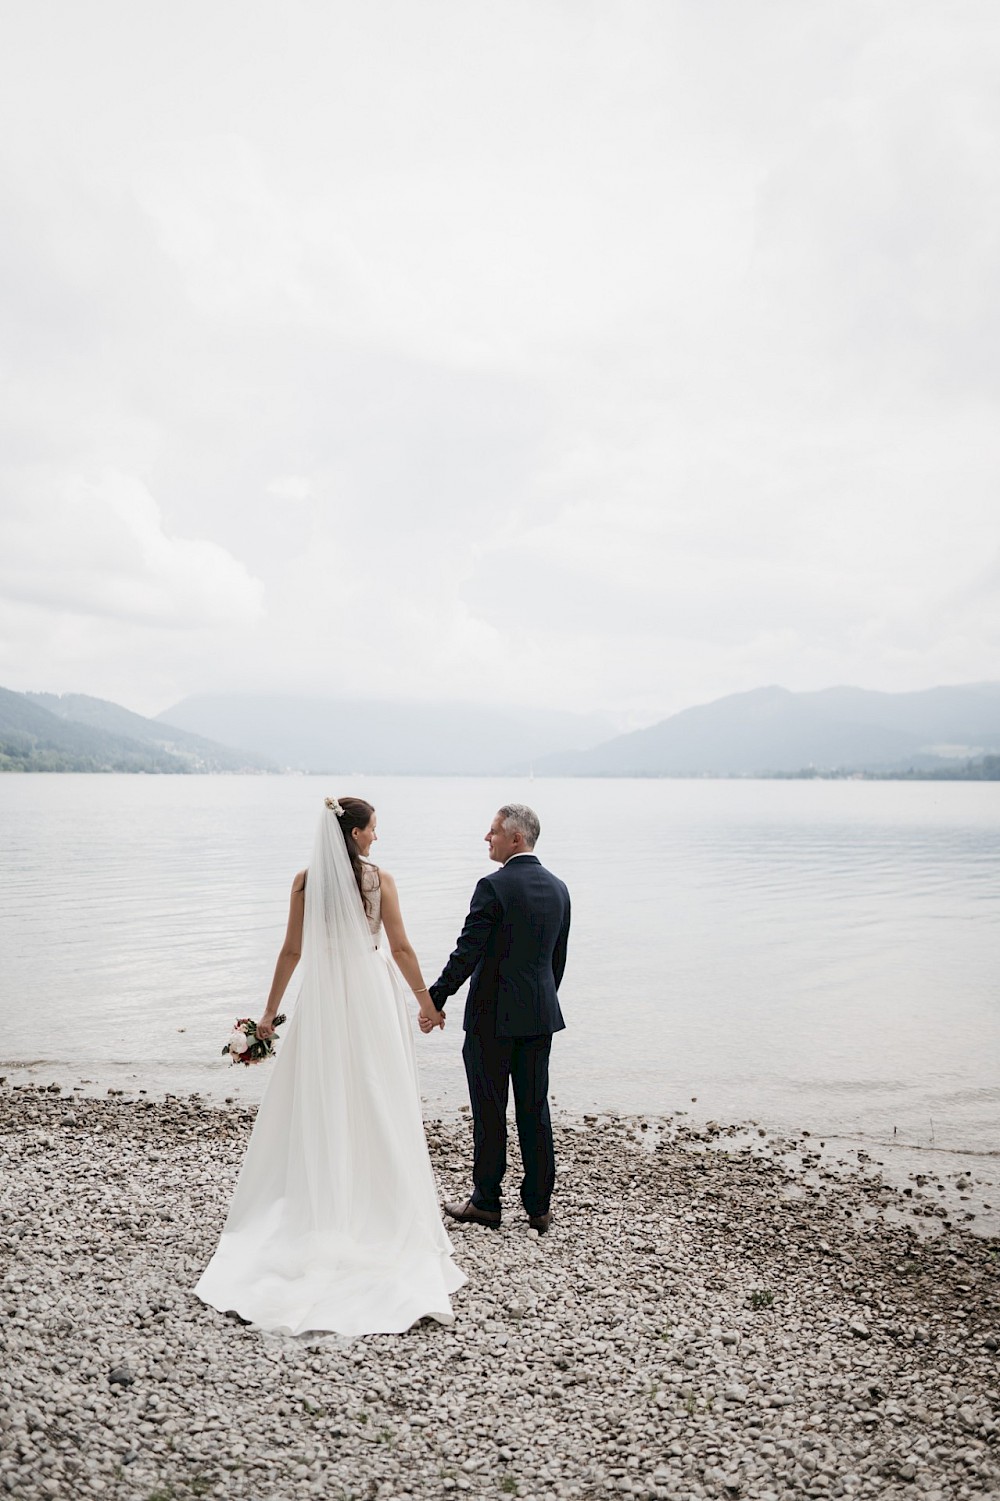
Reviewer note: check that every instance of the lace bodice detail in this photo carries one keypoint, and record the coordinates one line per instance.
(372, 887)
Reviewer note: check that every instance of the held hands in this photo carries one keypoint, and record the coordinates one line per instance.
(430, 1016)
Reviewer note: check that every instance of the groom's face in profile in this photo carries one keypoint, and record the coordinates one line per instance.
(503, 845)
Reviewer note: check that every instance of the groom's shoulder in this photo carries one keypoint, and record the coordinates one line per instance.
(558, 883)
(486, 890)
(555, 882)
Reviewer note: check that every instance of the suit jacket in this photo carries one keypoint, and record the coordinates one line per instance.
(513, 945)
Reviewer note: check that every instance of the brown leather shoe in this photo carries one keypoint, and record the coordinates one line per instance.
(540, 1222)
(468, 1213)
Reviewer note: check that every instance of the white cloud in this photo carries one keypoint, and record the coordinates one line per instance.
(291, 487)
(588, 357)
(99, 549)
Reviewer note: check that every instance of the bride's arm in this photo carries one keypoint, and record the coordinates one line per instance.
(288, 958)
(402, 950)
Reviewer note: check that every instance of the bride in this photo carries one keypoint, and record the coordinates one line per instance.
(334, 1222)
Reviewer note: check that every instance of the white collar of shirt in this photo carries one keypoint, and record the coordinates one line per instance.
(519, 856)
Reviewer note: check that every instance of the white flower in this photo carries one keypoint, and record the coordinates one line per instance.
(238, 1042)
(334, 806)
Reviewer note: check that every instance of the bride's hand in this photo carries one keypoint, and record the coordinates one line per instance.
(431, 1017)
(264, 1029)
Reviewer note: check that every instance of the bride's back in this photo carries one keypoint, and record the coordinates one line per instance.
(371, 886)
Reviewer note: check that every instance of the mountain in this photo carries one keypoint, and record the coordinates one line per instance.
(45, 732)
(33, 739)
(328, 735)
(771, 730)
(199, 753)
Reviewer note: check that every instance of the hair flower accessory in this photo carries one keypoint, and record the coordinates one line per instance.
(334, 806)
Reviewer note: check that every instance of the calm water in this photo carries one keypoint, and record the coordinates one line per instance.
(819, 955)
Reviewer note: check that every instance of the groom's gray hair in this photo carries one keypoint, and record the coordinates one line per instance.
(519, 817)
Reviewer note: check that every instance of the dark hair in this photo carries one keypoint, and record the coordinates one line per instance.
(357, 814)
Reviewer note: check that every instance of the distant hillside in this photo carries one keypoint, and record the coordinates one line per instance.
(33, 739)
(199, 753)
(976, 769)
(953, 732)
(771, 731)
(43, 732)
(330, 735)
(982, 769)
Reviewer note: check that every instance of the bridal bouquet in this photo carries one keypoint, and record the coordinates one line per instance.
(244, 1046)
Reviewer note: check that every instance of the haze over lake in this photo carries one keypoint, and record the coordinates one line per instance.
(812, 955)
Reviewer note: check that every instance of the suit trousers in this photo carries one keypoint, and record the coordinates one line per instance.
(491, 1063)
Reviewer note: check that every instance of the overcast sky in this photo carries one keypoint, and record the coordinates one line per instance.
(590, 355)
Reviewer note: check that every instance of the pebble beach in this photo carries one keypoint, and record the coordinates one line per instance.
(715, 1312)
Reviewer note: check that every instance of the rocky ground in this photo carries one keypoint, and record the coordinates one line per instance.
(697, 1323)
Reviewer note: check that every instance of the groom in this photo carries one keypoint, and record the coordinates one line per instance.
(513, 945)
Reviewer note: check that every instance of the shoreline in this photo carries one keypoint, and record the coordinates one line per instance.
(975, 1205)
(704, 1319)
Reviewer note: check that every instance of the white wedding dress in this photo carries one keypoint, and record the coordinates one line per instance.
(334, 1223)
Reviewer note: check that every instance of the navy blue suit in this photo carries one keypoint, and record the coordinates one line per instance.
(513, 946)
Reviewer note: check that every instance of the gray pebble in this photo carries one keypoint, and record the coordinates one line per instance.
(621, 1357)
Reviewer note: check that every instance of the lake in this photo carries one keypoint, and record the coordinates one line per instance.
(818, 955)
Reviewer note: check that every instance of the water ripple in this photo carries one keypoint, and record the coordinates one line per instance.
(802, 952)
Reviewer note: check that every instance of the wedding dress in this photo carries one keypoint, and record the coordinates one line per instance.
(334, 1222)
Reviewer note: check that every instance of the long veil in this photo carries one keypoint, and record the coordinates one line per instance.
(334, 1222)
